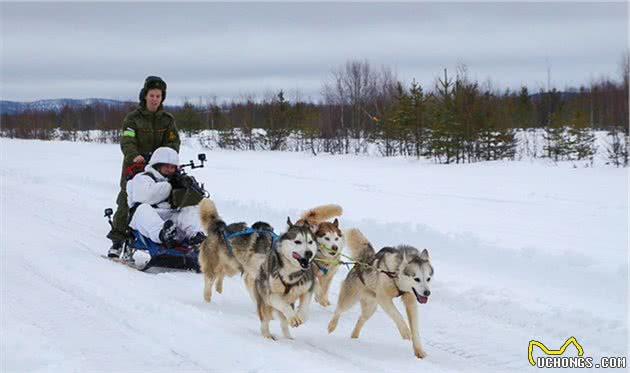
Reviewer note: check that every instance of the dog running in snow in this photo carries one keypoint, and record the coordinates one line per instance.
(331, 243)
(244, 255)
(285, 277)
(392, 272)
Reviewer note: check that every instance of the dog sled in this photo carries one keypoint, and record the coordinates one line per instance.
(161, 258)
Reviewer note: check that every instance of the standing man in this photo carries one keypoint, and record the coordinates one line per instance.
(145, 129)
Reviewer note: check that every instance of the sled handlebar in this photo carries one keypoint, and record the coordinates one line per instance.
(108, 214)
(201, 157)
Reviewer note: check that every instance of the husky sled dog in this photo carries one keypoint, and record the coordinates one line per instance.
(285, 277)
(242, 255)
(392, 272)
(331, 243)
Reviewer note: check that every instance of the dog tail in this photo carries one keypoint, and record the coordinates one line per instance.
(321, 214)
(209, 215)
(360, 247)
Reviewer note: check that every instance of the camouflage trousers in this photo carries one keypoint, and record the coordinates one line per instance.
(120, 222)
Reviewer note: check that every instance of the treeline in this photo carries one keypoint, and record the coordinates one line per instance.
(455, 120)
(66, 123)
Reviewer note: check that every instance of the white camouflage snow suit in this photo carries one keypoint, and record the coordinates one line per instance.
(148, 192)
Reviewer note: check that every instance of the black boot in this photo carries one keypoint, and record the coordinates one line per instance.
(168, 234)
(114, 251)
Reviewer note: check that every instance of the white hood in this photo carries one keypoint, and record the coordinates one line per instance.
(145, 189)
(164, 155)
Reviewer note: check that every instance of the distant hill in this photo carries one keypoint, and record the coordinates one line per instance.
(13, 107)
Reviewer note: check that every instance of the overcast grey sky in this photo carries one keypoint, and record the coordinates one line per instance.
(81, 50)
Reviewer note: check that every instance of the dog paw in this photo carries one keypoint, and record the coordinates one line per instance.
(207, 297)
(269, 336)
(296, 320)
(323, 302)
(332, 325)
(419, 352)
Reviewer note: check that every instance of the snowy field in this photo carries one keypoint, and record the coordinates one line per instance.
(521, 250)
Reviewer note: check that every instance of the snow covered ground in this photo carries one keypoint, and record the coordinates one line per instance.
(521, 250)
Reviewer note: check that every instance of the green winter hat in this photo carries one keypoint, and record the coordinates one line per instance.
(152, 82)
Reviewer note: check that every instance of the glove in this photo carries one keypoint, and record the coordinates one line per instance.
(186, 181)
(197, 239)
(174, 180)
(179, 180)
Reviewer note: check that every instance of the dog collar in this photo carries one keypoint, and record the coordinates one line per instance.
(322, 268)
(329, 250)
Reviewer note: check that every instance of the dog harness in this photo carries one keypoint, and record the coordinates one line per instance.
(287, 287)
(322, 268)
(227, 237)
(325, 262)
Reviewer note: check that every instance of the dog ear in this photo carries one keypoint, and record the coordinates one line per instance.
(219, 226)
(289, 222)
(336, 223)
(424, 255)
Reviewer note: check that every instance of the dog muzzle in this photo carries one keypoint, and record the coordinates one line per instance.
(304, 262)
(420, 298)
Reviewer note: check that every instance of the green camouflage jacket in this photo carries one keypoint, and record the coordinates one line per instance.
(143, 132)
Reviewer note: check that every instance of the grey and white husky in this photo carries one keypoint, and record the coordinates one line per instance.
(401, 271)
(286, 277)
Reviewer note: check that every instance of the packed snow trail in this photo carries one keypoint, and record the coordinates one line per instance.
(521, 251)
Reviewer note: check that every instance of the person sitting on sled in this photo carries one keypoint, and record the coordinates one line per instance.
(148, 195)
